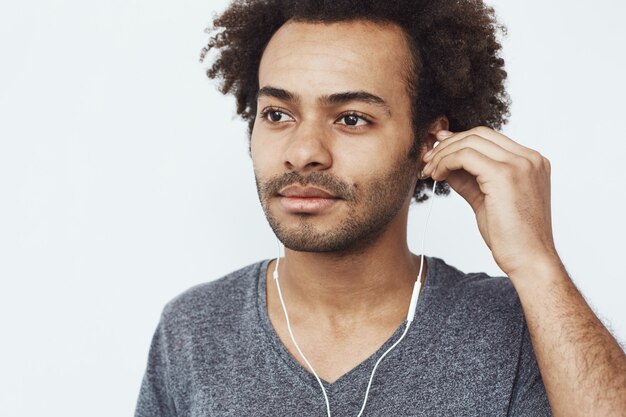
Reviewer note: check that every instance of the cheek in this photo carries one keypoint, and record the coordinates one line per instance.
(365, 170)
(260, 153)
(267, 163)
(362, 162)
(265, 140)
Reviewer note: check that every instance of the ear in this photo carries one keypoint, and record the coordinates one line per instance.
(440, 123)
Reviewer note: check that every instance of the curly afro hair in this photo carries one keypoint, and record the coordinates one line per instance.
(458, 70)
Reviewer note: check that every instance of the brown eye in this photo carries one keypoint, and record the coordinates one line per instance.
(276, 116)
(353, 120)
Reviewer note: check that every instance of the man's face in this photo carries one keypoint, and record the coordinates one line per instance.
(332, 135)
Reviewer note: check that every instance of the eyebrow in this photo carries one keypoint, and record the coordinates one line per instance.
(327, 100)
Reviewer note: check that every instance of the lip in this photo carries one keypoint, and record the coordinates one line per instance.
(298, 191)
(308, 205)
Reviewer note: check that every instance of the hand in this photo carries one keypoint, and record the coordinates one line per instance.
(508, 187)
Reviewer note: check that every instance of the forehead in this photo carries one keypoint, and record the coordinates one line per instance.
(323, 58)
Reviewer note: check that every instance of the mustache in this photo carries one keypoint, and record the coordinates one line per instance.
(323, 180)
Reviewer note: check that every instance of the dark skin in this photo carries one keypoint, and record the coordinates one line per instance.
(343, 304)
(347, 304)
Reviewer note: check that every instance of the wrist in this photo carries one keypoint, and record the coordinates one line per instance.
(539, 269)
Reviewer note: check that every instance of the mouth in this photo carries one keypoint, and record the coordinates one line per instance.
(297, 191)
(307, 205)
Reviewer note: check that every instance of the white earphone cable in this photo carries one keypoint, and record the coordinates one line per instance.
(409, 319)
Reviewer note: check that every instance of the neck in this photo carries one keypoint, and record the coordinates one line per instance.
(352, 286)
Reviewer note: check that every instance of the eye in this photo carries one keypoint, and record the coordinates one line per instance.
(353, 120)
(275, 116)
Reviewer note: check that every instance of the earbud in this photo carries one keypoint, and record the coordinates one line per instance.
(423, 176)
(409, 318)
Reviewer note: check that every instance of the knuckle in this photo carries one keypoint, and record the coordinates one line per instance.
(536, 157)
(546, 163)
(508, 172)
(465, 152)
(481, 130)
(523, 164)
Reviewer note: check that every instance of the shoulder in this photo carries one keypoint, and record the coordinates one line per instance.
(227, 294)
(450, 278)
(475, 293)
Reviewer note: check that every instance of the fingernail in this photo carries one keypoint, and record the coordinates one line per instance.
(443, 134)
(428, 154)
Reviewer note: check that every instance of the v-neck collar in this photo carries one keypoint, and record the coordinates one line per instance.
(364, 368)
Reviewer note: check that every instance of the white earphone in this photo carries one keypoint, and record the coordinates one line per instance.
(409, 317)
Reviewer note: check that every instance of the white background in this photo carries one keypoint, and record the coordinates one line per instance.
(125, 179)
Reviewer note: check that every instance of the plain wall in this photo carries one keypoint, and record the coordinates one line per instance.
(125, 179)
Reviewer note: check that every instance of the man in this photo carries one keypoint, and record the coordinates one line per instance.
(346, 101)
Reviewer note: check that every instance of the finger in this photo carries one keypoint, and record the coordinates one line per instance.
(484, 146)
(470, 160)
(495, 137)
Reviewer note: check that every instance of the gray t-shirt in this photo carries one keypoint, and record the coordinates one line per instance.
(467, 353)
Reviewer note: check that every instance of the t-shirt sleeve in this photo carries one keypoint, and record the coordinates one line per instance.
(529, 398)
(155, 396)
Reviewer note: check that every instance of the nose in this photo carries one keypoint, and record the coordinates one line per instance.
(308, 149)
